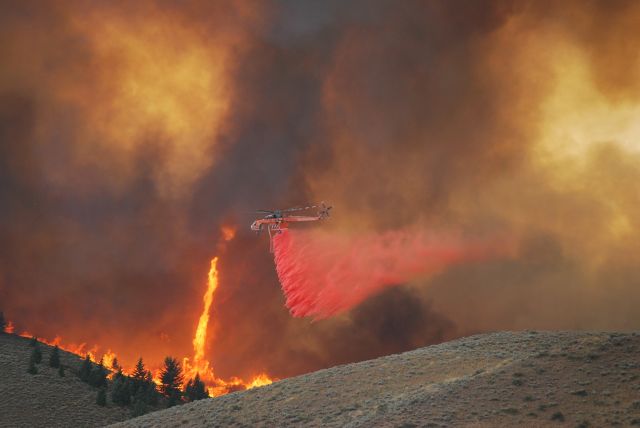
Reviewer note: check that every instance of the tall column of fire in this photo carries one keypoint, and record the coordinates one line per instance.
(200, 364)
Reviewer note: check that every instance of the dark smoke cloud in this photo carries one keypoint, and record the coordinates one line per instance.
(118, 167)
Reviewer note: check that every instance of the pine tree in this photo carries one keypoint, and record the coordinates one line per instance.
(151, 393)
(140, 406)
(61, 370)
(195, 389)
(36, 355)
(98, 376)
(121, 393)
(32, 367)
(101, 398)
(139, 372)
(189, 392)
(54, 357)
(119, 374)
(85, 369)
(138, 377)
(115, 366)
(3, 323)
(171, 379)
(175, 397)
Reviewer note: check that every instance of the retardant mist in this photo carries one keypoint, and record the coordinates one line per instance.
(323, 274)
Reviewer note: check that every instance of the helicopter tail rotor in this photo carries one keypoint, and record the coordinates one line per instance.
(324, 210)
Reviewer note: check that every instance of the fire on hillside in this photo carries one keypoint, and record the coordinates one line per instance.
(197, 365)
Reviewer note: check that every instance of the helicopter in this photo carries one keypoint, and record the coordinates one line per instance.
(275, 221)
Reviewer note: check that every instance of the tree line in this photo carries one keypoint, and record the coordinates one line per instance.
(138, 390)
(3, 323)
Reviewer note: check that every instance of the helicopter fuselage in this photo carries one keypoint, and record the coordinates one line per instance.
(279, 222)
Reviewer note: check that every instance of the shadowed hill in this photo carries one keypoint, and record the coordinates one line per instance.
(500, 379)
(46, 399)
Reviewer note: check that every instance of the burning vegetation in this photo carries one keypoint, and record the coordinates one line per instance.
(199, 368)
(193, 380)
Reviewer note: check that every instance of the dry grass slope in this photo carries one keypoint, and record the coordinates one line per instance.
(46, 399)
(501, 379)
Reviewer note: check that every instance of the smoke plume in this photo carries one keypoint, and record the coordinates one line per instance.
(131, 133)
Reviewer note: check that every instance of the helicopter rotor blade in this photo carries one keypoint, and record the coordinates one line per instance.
(299, 208)
(287, 210)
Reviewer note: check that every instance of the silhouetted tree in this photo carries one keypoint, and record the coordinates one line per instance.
(101, 398)
(32, 369)
(150, 390)
(54, 357)
(140, 406)
(36, 355)
(195, 389)
(98, 376)
(115, 366)
(33, 342)
(171, 380)
(175, 397)
(121, 393)
(85, 369)
(118, 374)
(147, 396)
(138, 377)
(3, 323)
(61, 370)
(139, 372)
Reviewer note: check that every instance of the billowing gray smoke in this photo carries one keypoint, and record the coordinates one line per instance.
(130, 133)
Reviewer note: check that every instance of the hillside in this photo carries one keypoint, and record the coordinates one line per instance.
(46, 399)
(500, 379)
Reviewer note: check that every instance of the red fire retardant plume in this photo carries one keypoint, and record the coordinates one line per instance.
(325, 274)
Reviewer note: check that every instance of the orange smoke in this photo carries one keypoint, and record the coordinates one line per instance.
(200, 365)
(149, 79)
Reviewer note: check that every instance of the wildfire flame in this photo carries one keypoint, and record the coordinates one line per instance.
(80, 349)
(202, 366)
(108, 358)
(228, 233)
(198, 365)
(203, 323)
